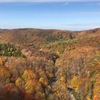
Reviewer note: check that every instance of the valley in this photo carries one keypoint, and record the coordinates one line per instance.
(37, 64)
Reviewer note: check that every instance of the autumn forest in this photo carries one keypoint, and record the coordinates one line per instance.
(37, 64)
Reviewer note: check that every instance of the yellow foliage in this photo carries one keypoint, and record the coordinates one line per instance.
(57, 52)
(25, 75)
(29, 86)
(62, 79)
(4, 73)
(1, 61)
(88, 98)
(18, 81)
(76, 82)
(96, 89)
(31, 75)
(28, 74)
(64, 86)
(43, 81)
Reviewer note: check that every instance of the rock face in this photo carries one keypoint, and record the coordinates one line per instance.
(38, 64)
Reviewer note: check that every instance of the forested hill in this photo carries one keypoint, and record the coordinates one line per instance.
(37, 64)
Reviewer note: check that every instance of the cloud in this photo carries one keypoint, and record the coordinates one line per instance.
(49, 0)
(63, 26)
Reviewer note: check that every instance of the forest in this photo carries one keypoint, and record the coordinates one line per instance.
(37, 64)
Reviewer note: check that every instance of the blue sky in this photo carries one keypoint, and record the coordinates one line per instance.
(50, 14)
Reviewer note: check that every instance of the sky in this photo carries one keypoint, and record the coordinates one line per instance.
(50, 14)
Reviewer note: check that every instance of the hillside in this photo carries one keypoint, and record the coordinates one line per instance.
(37, 64)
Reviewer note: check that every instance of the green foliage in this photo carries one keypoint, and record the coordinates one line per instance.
(53, 39)
(7, 81)
(10, 50)
(60, 46)
(19, 81)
